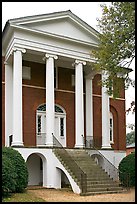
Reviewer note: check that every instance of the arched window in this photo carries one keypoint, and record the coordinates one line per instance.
(111, 129)
(58, 109)
(59, 125)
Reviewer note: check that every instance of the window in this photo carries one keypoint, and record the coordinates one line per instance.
(61, 126)
(43, 108)
(26, 72)
(39, 124)
(111, 128)
(73, 80)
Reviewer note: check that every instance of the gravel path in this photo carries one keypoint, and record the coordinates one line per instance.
(66, 195)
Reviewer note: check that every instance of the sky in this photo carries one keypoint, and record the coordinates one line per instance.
(87, 11)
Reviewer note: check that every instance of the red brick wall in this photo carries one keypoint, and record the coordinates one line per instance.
(97, 120)
(96, 85)
(38, 74)
(33, 97)
(118, 109)
(67, 100)
(65, 79)
(130, 150)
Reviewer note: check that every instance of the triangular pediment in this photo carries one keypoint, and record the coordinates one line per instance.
(64, 24)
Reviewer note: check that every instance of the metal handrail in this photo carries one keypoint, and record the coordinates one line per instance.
(83, 175)
(112, 169)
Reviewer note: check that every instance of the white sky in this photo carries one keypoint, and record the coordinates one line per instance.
(87, 11)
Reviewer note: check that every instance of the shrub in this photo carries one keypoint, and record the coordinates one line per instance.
(9, 176)
(20, 168)
(127, 166)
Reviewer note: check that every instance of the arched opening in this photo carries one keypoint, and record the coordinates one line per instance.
(64, 181)
(98, 159)
(35, 169)
(59, 124)
(115, 143)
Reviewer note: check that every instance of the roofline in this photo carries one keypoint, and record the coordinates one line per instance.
(10, 21)
(5, 27)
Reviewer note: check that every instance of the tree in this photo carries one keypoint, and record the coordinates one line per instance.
(130, 137)
(117, 44)
(20, 166)
(127, 170)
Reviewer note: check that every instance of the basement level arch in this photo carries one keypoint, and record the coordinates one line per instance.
(39, 169)
(36, 164)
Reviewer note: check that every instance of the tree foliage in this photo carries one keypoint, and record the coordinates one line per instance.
(9, 176)
(130, 137)
(20, 166)
(117, 43)
(127, 166)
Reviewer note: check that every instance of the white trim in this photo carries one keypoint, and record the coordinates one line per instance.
(65, 91)
(112, 128)
(53, 16)
(54, 35)
(46, 48)
(43, 127)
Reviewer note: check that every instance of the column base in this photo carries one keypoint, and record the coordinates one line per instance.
(79, 146)
(13, 144)
(49, 145)
(106, 147)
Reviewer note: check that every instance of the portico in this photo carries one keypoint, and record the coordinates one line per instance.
(46, 44)
(14, 109)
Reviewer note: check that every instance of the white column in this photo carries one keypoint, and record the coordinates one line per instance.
(89, 108)
(50, 112)
(79, 107)
(8, 102)
(105, 116)
(17, 97)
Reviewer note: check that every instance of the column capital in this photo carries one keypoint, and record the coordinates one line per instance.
(80, 62)
(48, 55)
(14, 49)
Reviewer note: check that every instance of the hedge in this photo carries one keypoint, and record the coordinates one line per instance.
(9, 176)
(127, 166)
(18, 162)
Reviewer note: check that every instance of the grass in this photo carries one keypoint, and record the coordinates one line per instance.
(23, 197)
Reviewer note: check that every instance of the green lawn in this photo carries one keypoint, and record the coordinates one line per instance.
(23, 197)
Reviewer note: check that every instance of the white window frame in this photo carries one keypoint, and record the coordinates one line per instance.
(111, 129)
(43, 128)
(26, 72)
(73, 79)
(61, 115)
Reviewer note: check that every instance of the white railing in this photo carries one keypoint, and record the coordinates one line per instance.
(41, 139)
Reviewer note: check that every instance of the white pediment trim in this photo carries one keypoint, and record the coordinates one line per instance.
(54, 35)
(39, 19)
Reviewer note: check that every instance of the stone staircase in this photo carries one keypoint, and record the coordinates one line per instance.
(97, 180)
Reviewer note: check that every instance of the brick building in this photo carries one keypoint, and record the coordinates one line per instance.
(50, 92)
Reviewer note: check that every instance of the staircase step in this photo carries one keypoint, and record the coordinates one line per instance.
(98, 181)
(103, 189)
(103, 192)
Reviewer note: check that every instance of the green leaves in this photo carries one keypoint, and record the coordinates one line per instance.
(117, 39)
(14, 171)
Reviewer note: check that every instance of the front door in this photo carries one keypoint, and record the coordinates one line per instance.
(59, 127)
